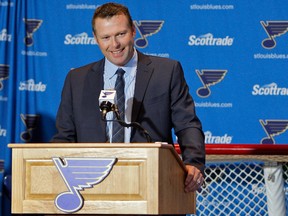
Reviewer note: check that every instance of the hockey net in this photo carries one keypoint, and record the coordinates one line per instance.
(239, 179)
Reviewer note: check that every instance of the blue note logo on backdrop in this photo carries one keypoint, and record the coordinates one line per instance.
(209, 78)
(4, 74)
(146, 28)
(273, 128)
(4, 36)
(273, 29)
(271, 89)
(31, 26)
(209, 40)
(31, 122)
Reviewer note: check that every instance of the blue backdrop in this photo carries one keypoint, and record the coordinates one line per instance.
(234, 53)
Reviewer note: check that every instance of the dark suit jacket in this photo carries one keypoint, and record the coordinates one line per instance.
(161, 102)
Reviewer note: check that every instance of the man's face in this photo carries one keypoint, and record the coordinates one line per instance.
(115, 38)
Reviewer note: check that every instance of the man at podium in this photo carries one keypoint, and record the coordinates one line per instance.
(151, 91)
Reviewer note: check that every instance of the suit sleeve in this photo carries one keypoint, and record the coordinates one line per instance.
(187, 125)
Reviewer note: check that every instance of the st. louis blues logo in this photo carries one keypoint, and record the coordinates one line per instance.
(146, 28)
(4, 74)
(273, 128)
(31, 122)
(78, 174)
(209, 78)
(273, 29)
(31, 25)
(105, 94)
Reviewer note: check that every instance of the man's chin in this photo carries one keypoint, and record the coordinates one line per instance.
(118, 61)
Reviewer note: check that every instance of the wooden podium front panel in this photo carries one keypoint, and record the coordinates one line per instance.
(125, 190)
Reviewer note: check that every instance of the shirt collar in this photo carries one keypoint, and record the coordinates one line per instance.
(129, 68)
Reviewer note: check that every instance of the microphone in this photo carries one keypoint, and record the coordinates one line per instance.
(107, 103)
(107, 100)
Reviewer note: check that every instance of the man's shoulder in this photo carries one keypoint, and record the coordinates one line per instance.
(84, 69)
(156, 59)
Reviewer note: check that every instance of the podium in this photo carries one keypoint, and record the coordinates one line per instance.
(146, 178)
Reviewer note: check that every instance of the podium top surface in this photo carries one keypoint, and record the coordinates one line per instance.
(156, 145)
(90, 145)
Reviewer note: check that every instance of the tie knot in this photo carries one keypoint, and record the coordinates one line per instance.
(120, 72)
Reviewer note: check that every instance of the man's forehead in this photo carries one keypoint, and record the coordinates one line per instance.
(110, 22)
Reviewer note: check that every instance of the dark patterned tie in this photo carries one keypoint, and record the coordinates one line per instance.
(118, 130)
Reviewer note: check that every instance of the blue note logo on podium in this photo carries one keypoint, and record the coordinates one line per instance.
(273, 29)
(146, 28)
(79, 174)
(31, 26)
(209, 78)
(273, 128)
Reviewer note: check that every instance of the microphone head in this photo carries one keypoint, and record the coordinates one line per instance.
(106, 106)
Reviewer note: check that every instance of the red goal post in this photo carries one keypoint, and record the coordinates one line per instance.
(275, 152)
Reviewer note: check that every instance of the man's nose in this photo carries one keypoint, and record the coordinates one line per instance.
(115, 42)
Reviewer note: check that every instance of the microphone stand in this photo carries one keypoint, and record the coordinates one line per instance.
(132, 124)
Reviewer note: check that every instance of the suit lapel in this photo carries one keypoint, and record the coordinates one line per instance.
(92, 89)
(95, 77)
(144, 73)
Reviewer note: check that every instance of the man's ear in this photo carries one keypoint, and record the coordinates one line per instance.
(133, 30)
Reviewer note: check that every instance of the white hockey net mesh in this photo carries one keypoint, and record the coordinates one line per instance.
(235, 188)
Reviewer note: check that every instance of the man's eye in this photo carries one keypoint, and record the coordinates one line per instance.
(105, 38)
(122, 34)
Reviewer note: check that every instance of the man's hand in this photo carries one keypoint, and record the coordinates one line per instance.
(194, 179)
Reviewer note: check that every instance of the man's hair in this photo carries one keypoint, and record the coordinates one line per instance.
(109, 10)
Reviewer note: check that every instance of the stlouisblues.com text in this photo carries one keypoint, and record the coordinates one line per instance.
(270, 56)
(211, 7)
(213, 105)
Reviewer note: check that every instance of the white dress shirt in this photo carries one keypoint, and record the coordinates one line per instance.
(109, 82)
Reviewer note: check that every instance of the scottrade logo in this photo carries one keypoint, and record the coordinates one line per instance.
(271, 89)
(210, 40)
(30, 85)
(79, 39)
(211, 139)
(6, 4)
(4, 36)
(209, 78)
(3, 132)
(273, 29)
(31, 26)
(146, 28)
(273, 128)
